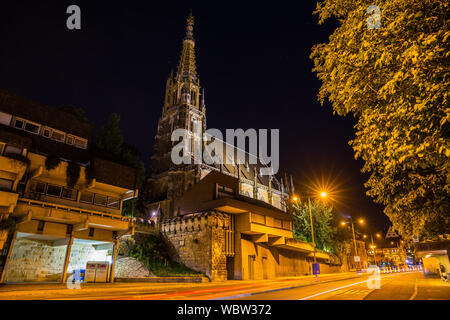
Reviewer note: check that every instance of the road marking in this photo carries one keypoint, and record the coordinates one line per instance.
(349, 285)
(415, 291)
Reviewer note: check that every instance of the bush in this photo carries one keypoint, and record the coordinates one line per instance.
(72, 174)
(52, 162)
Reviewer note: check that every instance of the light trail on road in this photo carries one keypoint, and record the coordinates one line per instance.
(346, 286)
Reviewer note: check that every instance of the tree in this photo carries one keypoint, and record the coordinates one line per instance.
(77, 112)
(110, 138)
(322, 222)
(395, 81)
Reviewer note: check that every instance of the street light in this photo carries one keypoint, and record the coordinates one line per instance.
(353, 231)
(323, 194)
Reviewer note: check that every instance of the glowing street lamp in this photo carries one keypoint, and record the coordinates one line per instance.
(323, 194)
(353, 231)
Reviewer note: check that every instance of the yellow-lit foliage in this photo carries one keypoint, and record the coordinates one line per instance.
(395, 81)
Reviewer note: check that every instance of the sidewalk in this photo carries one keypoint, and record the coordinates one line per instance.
(25, 291)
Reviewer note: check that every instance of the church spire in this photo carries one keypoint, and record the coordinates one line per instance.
(186, 66)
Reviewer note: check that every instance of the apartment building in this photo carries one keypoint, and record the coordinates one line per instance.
(60, 202)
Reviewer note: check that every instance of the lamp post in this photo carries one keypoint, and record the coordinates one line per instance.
(354, 237)
(323, 194)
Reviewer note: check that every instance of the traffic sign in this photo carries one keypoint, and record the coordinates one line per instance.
(357, 259)
(316, 268)
(391, 233)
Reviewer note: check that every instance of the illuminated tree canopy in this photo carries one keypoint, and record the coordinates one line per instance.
(395, 81)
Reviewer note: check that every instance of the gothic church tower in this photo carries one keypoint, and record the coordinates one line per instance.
(184, 104)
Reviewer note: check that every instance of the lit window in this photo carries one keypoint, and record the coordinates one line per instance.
(53, 190)
(87, 197)
(69, 140)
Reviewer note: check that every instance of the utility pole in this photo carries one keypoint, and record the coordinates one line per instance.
(312, 232)
(354, 240)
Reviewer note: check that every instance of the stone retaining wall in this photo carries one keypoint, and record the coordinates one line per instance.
(199, 242)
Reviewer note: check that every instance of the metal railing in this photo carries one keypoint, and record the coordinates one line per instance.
(88, 212)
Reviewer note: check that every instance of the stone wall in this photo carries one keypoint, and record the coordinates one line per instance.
(127, 267)
(35, 261)
(199, 242)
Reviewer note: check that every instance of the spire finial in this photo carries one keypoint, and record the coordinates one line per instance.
(190, 26)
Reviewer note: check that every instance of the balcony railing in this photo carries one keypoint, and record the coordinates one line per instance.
(42, 204)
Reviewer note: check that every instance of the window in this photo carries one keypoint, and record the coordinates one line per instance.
(224, 192)
(5, 118)
(6, 184)
(76, 141)
(58, 135)
(47, 132)
(12, 150)
(70, 194)
(40, 187)
(69, 140)
(100, 200)
(113, 203)
(19, 123)
(80, 143)
(53, 190)
(87, 197)
(31, 127)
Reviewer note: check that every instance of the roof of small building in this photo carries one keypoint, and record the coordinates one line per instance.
(49, 116)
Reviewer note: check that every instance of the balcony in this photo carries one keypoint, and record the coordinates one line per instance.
(81, 218)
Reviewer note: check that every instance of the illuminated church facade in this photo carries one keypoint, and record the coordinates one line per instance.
(227, 221)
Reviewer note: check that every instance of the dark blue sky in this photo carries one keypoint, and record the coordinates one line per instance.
(252, 58)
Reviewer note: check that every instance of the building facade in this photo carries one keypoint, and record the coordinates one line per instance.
(227, 221)
(60, 204)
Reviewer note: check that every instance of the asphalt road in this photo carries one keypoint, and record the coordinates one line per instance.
(396, 286)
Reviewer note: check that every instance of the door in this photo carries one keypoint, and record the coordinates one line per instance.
(230, 268)
(251, 262)
(264, 267)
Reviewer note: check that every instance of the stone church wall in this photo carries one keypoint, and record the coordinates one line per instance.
(199, 242)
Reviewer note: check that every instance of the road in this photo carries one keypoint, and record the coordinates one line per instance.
(397, 286)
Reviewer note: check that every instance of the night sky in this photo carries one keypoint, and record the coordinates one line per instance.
(252, 58)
